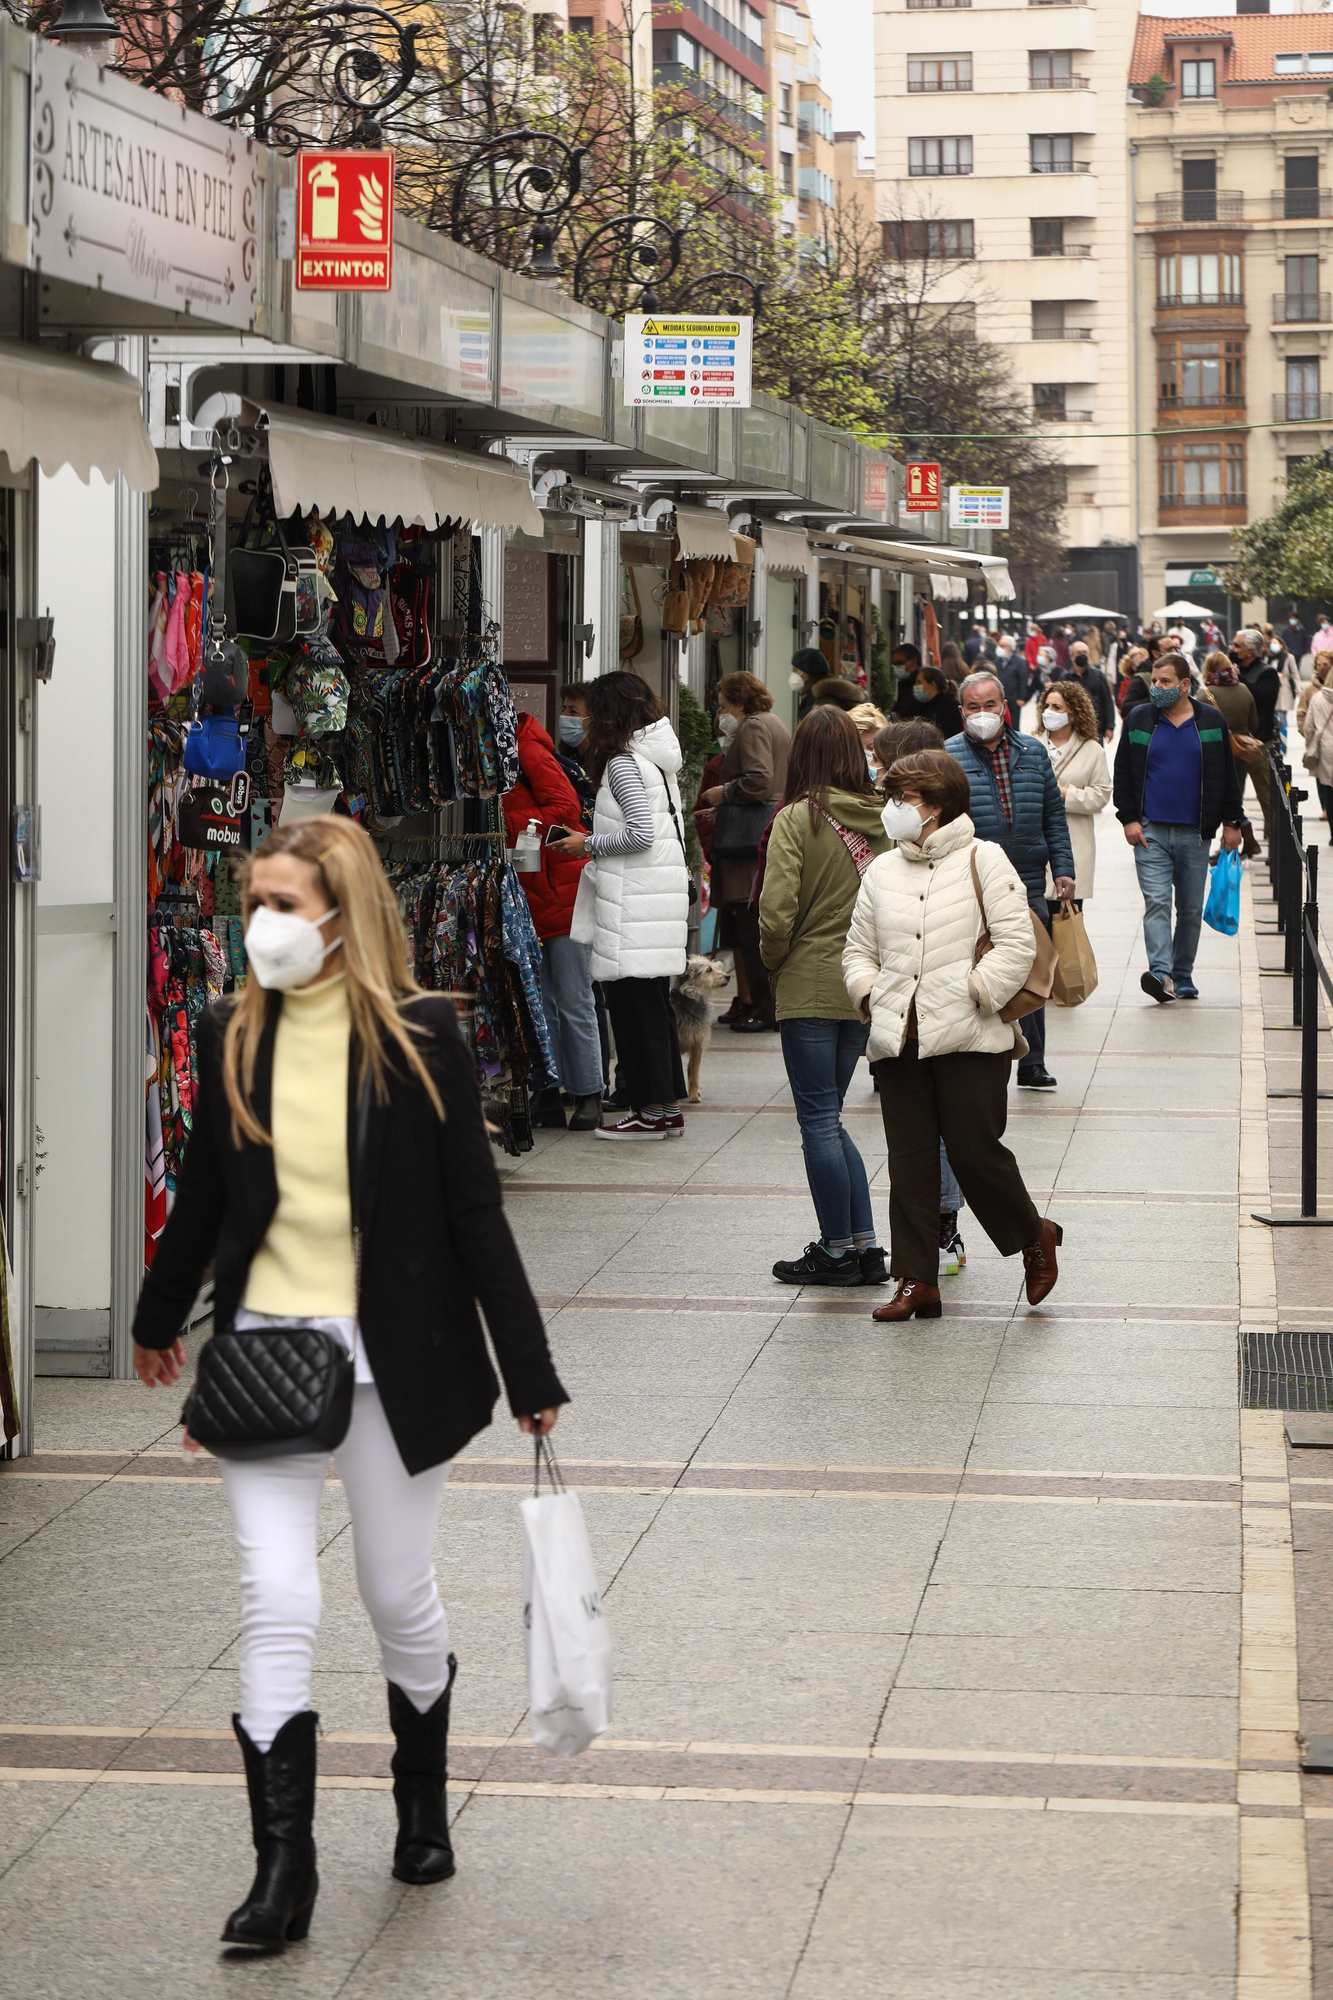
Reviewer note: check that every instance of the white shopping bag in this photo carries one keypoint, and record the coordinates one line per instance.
(569, 1648)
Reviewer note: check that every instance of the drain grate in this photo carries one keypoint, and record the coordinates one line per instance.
(1287, 1371)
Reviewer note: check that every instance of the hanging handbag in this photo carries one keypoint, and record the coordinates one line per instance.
(675, 602)
(265, 1391)
(214, 814)
(215, 748)
(631, 622)
(738, 829)
(1037, 987)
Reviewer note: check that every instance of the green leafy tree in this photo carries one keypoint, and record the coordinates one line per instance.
(1289, 553)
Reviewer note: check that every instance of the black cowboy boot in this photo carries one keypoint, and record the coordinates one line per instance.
(281, 1783)
(420, 1767)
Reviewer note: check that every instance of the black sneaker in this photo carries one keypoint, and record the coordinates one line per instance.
(820, 1267)
(874, 1268)
(1161, 990)
(1036, 1078)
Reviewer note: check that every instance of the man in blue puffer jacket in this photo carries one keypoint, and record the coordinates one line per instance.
(1016, 803)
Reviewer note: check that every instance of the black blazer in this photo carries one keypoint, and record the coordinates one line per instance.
(435, 1242)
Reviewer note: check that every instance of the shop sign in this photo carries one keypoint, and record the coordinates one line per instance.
(923, 487)
(875, 493)
(1193, 579)
(138, 197)
(344, 222)
(978, 506)
(694, 363)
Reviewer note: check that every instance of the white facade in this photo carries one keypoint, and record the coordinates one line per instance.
(1034, 98)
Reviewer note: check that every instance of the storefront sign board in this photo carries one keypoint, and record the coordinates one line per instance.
(344, 221)
(694, 363)
(136, 196)
(875, 487)
(978, 506)
(923, 487)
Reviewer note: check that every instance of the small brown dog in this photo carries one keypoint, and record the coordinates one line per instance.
(692, 1004)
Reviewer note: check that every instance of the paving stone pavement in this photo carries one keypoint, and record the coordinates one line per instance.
(952, 1660)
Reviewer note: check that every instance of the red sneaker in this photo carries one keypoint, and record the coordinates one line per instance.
(674, 1124)
(634, 1126)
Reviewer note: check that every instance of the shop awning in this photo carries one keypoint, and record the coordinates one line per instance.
(946, 567)
(786, 550)
(701, 531)
(373, 474)
(87, 415)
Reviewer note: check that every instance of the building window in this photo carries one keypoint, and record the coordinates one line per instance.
(784, 105)
(1300, 186)
(1198, 79)
(1050, 69)
(1048, 399)
(939, 156)
(1294, 463)
(1202, 374)
(1048, 319)
(1301, 301)
(1048, 236)
(817, 186)
(1302, 390)
(929, 239)
(1198, 190)
(939, 73)
(1207, 472)
(1200, 278)
(1319, 62)
(1053, 153)
(788, 173)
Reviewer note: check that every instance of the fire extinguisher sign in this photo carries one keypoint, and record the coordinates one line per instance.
(344, 222)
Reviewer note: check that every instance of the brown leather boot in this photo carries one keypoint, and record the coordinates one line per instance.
(911, 1297)
(1039, 1262)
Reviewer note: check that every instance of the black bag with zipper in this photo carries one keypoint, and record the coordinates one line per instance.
(738, 829)
(265, 1391)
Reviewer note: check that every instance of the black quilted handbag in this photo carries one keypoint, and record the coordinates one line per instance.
(271, 1390)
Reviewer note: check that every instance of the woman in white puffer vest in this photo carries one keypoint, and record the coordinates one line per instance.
(633, 902)
(937, 1043)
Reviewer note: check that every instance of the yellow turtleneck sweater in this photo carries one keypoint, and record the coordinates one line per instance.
(305, 1266)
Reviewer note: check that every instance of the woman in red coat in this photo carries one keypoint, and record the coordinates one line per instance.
(545, 794)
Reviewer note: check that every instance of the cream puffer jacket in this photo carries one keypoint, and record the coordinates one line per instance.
(914, 936)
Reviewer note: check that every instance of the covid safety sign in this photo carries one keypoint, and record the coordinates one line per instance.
(344, 221)
(697, 364)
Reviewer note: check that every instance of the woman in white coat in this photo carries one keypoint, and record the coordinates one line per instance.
(937, 1043)
(633, 901)
(1067, 726)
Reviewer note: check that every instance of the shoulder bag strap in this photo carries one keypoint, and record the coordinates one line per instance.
(984, 940)
(857, 845)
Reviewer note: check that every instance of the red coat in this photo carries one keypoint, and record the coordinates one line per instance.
(545, 794)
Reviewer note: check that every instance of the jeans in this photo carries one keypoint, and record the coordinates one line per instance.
(275, 1511)
(1175, 858)
(1034, 1025)
(951, 1195)
(571, 1015)
(821, 1058)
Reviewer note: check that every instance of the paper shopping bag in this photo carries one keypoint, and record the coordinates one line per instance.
(1075, 966)
(569, 1649)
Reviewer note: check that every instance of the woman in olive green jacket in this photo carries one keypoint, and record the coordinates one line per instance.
(821, 842)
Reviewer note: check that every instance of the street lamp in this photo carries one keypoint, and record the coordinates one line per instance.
(85, 25)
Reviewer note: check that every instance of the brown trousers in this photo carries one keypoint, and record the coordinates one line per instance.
(964, 1100)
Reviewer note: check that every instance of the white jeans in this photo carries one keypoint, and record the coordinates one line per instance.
(275, 1510)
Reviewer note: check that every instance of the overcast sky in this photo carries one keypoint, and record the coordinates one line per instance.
(846, 34)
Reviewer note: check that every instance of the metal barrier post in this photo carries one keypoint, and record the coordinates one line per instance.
(1275, 847)
(1296, 928)
(1312, 974)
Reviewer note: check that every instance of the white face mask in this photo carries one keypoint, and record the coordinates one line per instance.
(286, 950)
(796, 682)
(900, 821)
(983, 726)
(1053, 718)
(727, 726)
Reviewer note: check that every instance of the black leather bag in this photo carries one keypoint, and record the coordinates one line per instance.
(739, 828)
(272, 1390)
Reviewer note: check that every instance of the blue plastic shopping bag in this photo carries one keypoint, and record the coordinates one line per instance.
(1222, 910)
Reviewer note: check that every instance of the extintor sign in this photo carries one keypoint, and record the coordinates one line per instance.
(344, 222)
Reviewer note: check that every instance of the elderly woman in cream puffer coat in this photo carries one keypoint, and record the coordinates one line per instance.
(938, 1046)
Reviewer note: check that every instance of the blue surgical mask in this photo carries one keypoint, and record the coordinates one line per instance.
(573, 730)
(920, 693)
(1165, 697)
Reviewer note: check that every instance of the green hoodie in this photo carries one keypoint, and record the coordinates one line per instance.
(810, 889)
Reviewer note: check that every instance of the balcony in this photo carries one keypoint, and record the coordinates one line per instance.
(686, 79)
(1220, 401)
(1300, 204)
(1065, 333)
(1303, 406)
(1061, 416)
(1188, 509)
(950, 83)
(1200, 205)
(721, 26)
(1063, 249)
(1062, 167)
(1301, 309)
(1074, 82)
(1186, 301)
(921, 6)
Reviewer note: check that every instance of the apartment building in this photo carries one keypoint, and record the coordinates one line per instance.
(1002, 181)
(1233, 271)
(801, 149)
(854, 178)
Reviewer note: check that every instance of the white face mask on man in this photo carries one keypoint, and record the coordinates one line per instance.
(285, 950)
(983, 725)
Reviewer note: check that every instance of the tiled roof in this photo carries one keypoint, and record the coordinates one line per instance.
(1257, 38)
